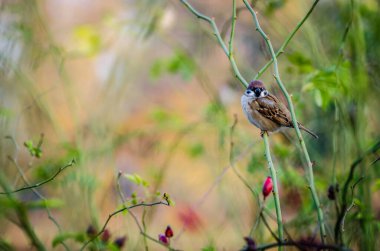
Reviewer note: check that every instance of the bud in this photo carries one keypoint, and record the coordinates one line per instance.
(106, 235)
(250, 244)
(119, 242)
(331, 192)
(91, 231)
(267, 187)
(163, 239)
(169, 232)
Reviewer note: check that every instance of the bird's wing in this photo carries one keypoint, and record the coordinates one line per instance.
(271, 108)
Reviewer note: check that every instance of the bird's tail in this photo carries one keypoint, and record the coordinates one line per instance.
(307, 130)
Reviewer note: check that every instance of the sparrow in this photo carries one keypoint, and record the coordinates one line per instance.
(265, 111)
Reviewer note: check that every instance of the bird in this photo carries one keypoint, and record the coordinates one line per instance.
(265, 111)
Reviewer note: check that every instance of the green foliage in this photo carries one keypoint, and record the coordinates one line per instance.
(167, 198)
(196, 150)
(179, 63)
(300, 61)
(34, 151)
(136, 179)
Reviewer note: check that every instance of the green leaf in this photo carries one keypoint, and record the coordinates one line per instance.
(302, 63)
(35, 151)
(135, 178)
(196, 150)
(78, 237)
(178, 63)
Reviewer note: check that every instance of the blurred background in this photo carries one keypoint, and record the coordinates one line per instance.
(142, 88)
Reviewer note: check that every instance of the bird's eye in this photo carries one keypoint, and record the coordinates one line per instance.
(248, 92)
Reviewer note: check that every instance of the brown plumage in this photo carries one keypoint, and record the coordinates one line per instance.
(265, 111)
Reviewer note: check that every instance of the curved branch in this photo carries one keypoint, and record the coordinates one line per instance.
(120, 211)
(42, 182)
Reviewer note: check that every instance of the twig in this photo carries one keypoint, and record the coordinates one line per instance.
(276, 195)
(345, 214)
(38, 194)
(232, 33)
(42, 182)
(287, 40)
(310, 175)
(122, 197)
(338, 234)
(211, 21)
(124, 208)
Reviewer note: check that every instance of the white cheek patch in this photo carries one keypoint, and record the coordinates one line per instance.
(264, 94)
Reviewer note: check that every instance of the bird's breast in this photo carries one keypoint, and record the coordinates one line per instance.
(250, 111)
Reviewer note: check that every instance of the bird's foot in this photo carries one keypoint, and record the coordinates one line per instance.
(262, 133)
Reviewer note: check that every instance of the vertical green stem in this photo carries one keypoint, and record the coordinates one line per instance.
(276, 195)
(309, 169)
(233, 25)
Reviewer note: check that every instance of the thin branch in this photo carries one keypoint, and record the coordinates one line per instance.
(232, 33)
(276, 195)
(43, 198)
(350, 177)
(124, 208)
(287, 40)
(122, 197)
(42, 182)
(310, 175)
(211, 21)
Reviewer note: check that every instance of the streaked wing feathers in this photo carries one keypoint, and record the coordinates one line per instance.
(271, 108)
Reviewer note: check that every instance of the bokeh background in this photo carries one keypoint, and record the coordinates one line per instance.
(142, 88)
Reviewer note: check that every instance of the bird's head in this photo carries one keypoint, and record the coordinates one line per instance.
(256, 89)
